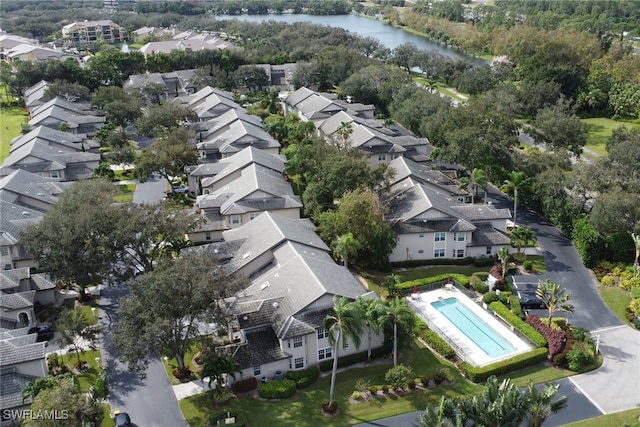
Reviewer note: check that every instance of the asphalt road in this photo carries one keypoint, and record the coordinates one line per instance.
(148, 399)
(150, 191)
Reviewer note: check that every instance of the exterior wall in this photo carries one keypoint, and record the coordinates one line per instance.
(410, 244)
(14, 315)
(268, 371)
(224, 181)
(256, 264)
(274, 150)
(46, 297)
(6, 256)
(36, 368)
(201, 236)
(33, 203)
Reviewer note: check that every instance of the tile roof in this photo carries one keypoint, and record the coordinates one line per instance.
(10, 279)
(11, 385)
(17, 300)
(20, 349)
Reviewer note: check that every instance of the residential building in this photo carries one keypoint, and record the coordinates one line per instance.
(226, 140)
(88, 32)
(168, 46)
(177, 83)
(310, 105)
(280, 77)
(255, 190)
(431, 224)
(58, 140)
(74, 117)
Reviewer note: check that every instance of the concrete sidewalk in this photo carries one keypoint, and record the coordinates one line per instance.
(190, 389)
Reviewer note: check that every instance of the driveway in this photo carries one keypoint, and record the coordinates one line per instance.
(149, 399)
(151, 191)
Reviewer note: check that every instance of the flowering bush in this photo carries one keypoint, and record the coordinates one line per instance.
(556, 339)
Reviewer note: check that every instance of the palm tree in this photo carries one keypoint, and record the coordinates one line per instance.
(554, 297)
(344, 247)
(390, 283)
(216, 367)
(503, 256)
(345, 323)
(477, 180)
(399, 312)
(521, 236)
(344, 132)
(541, 403)
(517, 182)
(437, 417)
(372, 312)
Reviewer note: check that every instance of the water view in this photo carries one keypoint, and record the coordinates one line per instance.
(390, 36)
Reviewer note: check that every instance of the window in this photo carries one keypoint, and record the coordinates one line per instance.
(235, 219)
(252, 215)
(324, 353)
(298, 363)
(54, 174)
(297, 342)
(440, 236)
(4, 251)
(421, 235)
(382, 157)
(460, 253)
(488, 252)
(322, 333)
(460, 237)
(256, 371)
(420, 251)
(207, 235)
(438, 253)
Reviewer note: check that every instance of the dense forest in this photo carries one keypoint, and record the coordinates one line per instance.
(559, 70)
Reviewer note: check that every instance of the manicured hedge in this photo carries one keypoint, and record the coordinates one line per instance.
(438, 344)
(514, 304)
(277, 389)
(304, 378)
(444, 278)
(244, 385)
(519, 324)
(479, 374)
(478, 262)
(327, 365)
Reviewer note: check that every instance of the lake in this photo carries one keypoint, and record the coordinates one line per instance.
(388, 35)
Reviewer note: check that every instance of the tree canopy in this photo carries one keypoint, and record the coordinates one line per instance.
(162, 312)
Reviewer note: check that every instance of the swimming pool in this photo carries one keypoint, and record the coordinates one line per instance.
(473, 327)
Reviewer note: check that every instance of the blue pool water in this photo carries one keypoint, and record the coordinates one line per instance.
(478, 331)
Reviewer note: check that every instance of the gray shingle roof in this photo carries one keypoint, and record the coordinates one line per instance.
(262, 347)
(202, 94)
(31, 185)
(55, 138)
(486, 235)
(298, 96)
(243, 159)
(302, 275)
(10, 279)
(481, 212)
(221, 122)
(424, 174)
(267, 231)
(50, 158)
(238, 135)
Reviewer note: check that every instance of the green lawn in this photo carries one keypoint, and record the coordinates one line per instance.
(600, 130)
(418, 273)
(87, 309)
(87, 378)
(125, 193)
(543, 372)
(617, 299)
(617, 419)
(106, 416)
(123, 175)
(304, 408)
(170, 364)
(10, 120)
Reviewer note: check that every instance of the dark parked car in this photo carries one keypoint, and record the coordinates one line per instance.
(121, 419)
(45, 332)
(530, 300)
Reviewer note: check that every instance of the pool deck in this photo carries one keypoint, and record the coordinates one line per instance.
(471, 352)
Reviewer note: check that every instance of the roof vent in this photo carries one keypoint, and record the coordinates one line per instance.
(264, 286)
(247, 255)
(25, 213)
(275, 305)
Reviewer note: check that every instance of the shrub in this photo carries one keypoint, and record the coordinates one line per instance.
(490, 297)
(356, 395)
(514, 305)
(635, 292)
(277, 389)
(588, 241)
(608, 280)
(305, 377)
(53, 361)
(442, 279)
(483, 262)
(580, 355)
(385, 389)
(481, 373)
(524, 328)
(474, 280)
(528, 265)
(504, 297)
(399, 376)
(373, 389)
(424, 380)
(100, 387)
(560, 358)
(482, 275)
(634, 307)
(181, 374)
(632, 282)
(481, 287)
(242, 386)
(327, 365)
(438, 344)
(581, 334)
(411, 384)
(362, 385)
(444, 374)
(556, 339)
